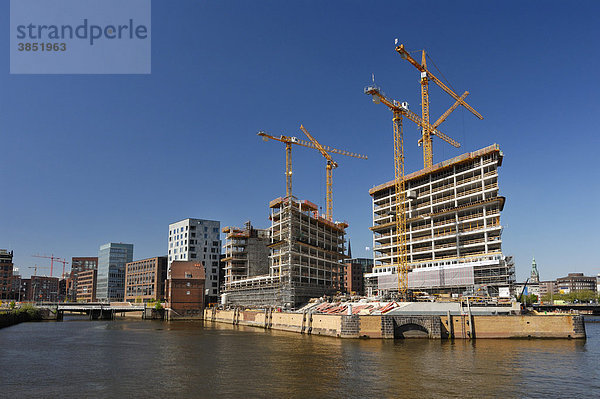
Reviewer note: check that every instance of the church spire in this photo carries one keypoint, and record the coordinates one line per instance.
(535, 275)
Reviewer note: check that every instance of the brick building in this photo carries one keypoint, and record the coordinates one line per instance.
(184, 290)
(79, 264)
(353, 278)
(86, 285)
(43, 289)
(145, 279)
(6, 274)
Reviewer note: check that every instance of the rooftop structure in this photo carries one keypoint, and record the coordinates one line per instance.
(304, 262)
(453, 232)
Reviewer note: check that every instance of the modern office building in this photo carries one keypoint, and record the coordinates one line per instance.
(86, 285)
(306, 251)
(198, 240)
(112, 259)
(6, 274)
(453, 232)
(145, 279)
(246, 253)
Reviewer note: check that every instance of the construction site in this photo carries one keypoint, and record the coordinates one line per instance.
(436, 231)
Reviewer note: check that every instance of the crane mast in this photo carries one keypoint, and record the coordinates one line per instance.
(329, 166)
(323, 149)
(427, 76)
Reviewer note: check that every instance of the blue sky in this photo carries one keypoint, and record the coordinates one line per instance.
(92, 159)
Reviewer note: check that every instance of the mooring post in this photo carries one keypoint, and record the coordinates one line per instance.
(450, 326)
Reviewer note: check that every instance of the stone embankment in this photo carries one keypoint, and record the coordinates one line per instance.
(399, 326)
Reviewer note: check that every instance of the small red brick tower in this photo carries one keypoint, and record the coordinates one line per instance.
(184, 290)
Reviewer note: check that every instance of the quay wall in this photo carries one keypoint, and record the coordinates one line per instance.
(384, 327)
(517, 326)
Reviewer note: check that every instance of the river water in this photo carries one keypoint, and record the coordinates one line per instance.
(154, 359)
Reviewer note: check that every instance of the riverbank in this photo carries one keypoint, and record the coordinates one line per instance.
(565, 326)
(20, 315)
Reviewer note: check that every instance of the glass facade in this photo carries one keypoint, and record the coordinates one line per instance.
(112, 258)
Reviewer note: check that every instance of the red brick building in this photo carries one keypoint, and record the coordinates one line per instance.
(79, 264)
(353, 278)
(145, 279)
(43, 289)
(86, 285)
(184, 290)
(6, 274)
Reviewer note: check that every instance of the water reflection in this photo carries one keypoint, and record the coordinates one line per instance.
(189, 359)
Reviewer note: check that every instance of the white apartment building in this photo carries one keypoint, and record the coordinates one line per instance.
(453, 232)
(198, 239)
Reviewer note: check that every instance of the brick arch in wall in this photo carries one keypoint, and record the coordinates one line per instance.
(408, 326)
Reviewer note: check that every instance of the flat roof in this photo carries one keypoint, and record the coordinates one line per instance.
(443, 165)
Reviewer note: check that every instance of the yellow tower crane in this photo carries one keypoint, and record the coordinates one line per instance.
(289, 140)
(329, 166)
(426, 76)
(400, 109)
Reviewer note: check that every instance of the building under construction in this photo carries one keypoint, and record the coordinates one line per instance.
(453, 232)
(305, 251)
(246, 253)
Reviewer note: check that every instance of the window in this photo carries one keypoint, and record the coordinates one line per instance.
(213, 284)
(193, 234)
(187, 293)
(205, 229)
(193, 256)
(215, 243)
(214, 270)
(215, 229)
(189, 284)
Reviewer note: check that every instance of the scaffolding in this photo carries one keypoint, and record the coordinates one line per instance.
(306, 251)
(453, 231)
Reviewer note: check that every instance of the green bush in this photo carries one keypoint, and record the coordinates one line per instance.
(31, 311)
